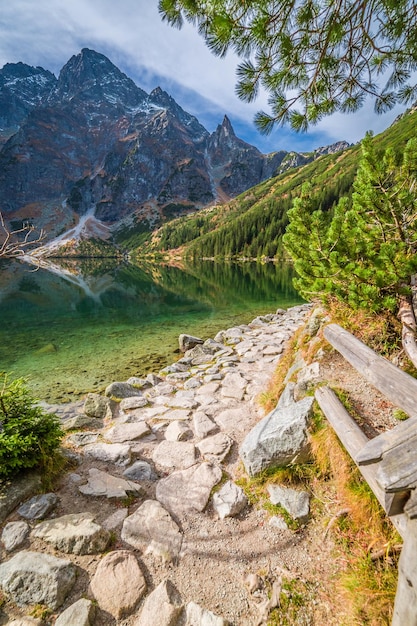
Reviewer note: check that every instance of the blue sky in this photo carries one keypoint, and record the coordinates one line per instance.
(132, 34)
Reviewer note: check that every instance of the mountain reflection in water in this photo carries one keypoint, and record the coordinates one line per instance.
(70, 332)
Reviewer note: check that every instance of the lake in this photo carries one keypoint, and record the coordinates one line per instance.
(74, 333)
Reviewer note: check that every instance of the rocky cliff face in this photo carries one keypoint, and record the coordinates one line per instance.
(22, 88)
(91, 140)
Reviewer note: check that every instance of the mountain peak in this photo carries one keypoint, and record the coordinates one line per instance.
(22, 88)
(162, 99)
(227, 127)
(92, 76)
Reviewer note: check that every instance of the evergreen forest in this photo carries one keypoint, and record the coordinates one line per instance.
(253, 224)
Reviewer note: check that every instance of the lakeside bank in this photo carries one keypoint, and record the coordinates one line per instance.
(146, 468)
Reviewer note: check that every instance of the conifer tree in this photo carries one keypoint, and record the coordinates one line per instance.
(364, 251)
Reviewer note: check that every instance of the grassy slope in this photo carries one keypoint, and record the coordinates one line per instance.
(252, 224)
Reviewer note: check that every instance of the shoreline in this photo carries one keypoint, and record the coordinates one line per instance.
(188, 424)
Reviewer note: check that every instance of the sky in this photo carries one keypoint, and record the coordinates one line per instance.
(132, 35)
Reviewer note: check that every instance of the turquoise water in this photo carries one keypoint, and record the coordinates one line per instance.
(74, 334)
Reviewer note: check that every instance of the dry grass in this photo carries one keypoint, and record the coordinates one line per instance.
(380, 332)
(366, 543)
(365, 540)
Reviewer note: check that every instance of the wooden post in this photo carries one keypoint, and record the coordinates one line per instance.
(405, 607)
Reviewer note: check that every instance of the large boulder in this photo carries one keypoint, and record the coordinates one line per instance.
(281, 437)
(37, 578)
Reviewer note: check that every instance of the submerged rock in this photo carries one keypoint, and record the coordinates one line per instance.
(96, 405)
(186, 342)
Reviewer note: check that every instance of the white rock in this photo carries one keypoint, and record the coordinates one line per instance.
(162, 607)
(216, 447)
(117, 453)
(14, 534)
(281, 437)
(178, 402)
(188, 490)
(197, 616)
(76, 533)
(229, 501)
(297, 503)
(178, 431)
(151, 529)
(174, 454)
(134, 402)
(203, 425)
(278, 522)
(115, 520)
(81, 613)
(235, 420)
(121, 433)
(174, 414)
(104, 484)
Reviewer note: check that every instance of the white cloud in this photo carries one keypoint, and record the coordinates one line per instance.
(131, 33)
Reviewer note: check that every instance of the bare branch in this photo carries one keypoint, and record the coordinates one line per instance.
(16, 243)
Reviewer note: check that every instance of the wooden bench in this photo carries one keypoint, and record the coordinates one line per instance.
(389, 461)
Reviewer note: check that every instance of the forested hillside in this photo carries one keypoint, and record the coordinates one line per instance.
(252, 224)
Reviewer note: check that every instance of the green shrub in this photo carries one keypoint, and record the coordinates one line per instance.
(29, 437)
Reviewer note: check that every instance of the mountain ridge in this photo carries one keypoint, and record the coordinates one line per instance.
(252, 224)
(92, 139)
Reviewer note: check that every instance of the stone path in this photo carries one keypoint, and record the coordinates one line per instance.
(165, 442)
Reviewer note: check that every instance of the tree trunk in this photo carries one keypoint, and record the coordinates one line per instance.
(409, 328)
